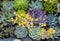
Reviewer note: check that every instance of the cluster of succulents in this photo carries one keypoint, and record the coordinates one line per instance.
(29, 19)
(23, 20)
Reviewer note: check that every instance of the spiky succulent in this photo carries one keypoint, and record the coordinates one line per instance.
(34, 33)
(21, 32)
(38, 14)
(59, 19)
(52, 20)
(50, 6)
(35, 5)
(21, 4)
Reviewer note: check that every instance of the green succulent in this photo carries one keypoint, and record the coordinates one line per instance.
(21, 12)
(34, 33)
(21, 4)
(20, 32)
(50, 6)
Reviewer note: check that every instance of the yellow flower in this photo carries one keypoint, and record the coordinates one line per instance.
(36, 19)
(51, 31)
(42, 31)
(44, 24)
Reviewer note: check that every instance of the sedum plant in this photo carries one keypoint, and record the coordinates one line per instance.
(52, 20)
(35, 5)
(23, 20)
(20, 32)
(50, 6)
(21, 4)
(38, 15)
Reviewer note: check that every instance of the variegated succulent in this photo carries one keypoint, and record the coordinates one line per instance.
(35, 5)
(20, 32)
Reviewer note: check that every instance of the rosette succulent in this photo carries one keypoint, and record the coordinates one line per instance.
(7, 5)
(40, 15)
(35, 5)
(7, 12)
(34, 33)
(57, 33)
(21, 32)
(21, 4)
(52, 20)
(50, 6)
(59, 19)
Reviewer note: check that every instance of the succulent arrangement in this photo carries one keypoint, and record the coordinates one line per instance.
(21, 4)
(29, 20)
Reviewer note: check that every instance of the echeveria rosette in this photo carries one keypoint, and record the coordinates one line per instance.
(21, 32)
(40, 14)
(50, 6)
(34, 33)
(59, 19)
(8, 5)
(21, 4)
(35, 5)
(52, 20)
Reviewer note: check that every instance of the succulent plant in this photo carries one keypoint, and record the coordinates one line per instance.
(50, 6)
(34, 33)
(21, 4)
(59, 19)
(57, 34)
(7, 5)
(23, 20)
(38, 14)
(7, 13)
(35, 5)
(52, 20)
(21, 12)
(21, 32)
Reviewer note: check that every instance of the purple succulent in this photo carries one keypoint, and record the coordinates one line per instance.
(40, 14)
